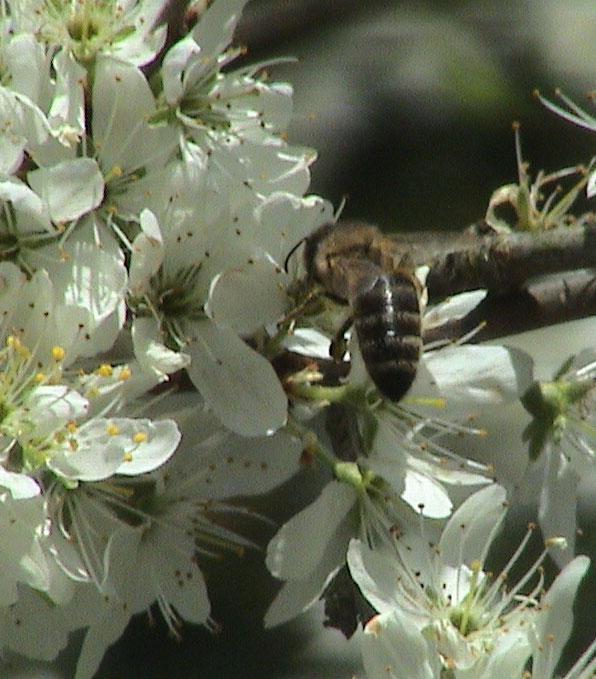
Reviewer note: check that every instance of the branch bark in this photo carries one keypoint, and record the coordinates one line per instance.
(503, 263)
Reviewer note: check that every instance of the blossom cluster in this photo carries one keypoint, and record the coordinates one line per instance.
(160, 358)
(143, 226)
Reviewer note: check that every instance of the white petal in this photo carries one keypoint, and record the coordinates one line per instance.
(269, 168)
(91, 277)
(122, 103)
(27, 202)
(509, 656)
(173, 67)
(213, 33)
(96, 338)
(297, 595)
(29, 306)
(454, 307)
(300, 543)
(167, 558)
(24, 58)
(591, 186)
(557, 509)
(150, 350)
(68, 104)
(308, 342)
(94, 461)
(51, 406)
(393, 648)
(374, 573)
(146, 255)
(426, 495)
(238, 384)
(110, 621)
(249, 297)
(220, 464)
(467, 535)
(392, 469)
(480, 375)
(451, 472)
(28, 622)
(142, 44)
(291, 219)
(27, 125)
(109, 446)
(162, 438)
(555, 620)
(294, 597)
(20, 522)
(70, 189)
(20, 486)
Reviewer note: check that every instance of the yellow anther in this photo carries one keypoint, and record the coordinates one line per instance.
(104, 370)
(58, 353)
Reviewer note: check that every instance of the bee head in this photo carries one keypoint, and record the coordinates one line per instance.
(312, 246)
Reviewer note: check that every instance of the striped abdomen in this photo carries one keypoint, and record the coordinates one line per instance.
(386, 316)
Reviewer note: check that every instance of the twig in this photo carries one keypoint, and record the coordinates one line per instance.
(504, 262)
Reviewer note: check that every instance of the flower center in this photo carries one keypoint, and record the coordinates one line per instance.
(85, 26)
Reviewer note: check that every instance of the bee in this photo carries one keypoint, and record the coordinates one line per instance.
(358, 265)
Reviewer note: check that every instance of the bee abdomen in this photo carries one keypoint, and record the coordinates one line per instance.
(386, 316)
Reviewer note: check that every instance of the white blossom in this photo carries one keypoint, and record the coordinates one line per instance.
(232, 118)
(459, 617)
(562, 442)
(125, 30)
(130, 541)
(183, 264)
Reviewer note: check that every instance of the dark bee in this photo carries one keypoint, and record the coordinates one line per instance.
(358, 265)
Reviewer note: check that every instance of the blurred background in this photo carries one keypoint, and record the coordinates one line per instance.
(410, 105)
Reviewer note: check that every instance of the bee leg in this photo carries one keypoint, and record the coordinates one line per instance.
(300, 309)
(339, 345)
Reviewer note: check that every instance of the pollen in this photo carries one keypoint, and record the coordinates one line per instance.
(557, 541)
(16, 344)
(373, 626)
(139, 437)
(112, 430)
(125, 373)
(58, 353)
(104, 370)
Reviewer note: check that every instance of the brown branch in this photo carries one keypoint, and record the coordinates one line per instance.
(504, 262)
